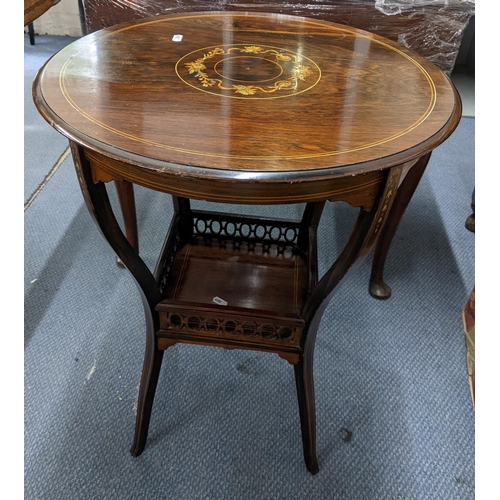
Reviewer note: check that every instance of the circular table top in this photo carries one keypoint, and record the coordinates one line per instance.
(247, 94)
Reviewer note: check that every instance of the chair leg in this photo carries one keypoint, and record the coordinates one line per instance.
(378, 288)
(307, 409)
(31, 32)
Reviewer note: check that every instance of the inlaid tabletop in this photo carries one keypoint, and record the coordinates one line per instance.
(247, 93)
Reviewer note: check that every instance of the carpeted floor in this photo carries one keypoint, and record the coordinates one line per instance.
(395, 418)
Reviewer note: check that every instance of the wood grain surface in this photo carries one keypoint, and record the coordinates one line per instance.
(252, 97)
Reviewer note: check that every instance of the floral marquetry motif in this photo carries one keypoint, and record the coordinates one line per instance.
(251, 70)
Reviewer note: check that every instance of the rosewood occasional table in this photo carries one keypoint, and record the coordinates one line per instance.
(246, 109)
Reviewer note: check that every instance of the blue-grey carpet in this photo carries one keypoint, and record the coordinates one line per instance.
(42, 145)
(394, 413)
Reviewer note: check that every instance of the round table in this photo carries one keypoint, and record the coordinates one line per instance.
(245, 108)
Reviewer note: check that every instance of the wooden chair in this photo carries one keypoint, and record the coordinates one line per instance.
(33, 9)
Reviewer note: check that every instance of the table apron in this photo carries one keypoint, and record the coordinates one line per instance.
(357, 190)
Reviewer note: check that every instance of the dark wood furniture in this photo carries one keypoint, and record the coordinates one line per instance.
(33, 9)
(245, 108)
(470, 222)
(31, 33)
(433, 30)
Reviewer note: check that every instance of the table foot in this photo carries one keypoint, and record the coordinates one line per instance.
(31, 32)
(378, 288)
(99, 206)
(360, 242)
(125, 192)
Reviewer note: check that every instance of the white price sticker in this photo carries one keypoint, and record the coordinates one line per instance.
(219, 301)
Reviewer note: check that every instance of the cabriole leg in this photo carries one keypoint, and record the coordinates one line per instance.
(378, 288)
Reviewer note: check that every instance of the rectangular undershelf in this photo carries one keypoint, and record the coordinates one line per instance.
(243, 277)
(264, 285)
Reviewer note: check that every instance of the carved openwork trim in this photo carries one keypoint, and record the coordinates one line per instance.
(247, 235)
(176, 321)
(279, 232)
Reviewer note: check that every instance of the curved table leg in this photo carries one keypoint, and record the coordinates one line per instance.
(363, 236)
(147, 388)
(125, 191)
(378, 288)
(99, 206)
(304, 380)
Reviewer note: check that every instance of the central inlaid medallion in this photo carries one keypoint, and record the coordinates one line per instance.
(248, 71)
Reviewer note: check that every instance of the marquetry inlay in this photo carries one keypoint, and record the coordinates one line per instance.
(248, 71)
(206, 91)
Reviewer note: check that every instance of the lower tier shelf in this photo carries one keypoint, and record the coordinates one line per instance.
(235, 294)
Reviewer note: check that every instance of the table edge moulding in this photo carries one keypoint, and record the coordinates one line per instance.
(237, 281)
